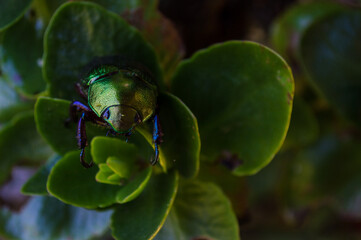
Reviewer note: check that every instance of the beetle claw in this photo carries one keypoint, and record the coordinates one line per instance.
(83, 162)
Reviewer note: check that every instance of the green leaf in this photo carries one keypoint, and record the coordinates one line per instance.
(241, 94)
(105, 175)
(118, 6)
(45, 218)
(132, 190)
(327, 157)
(93, 32)
(23, 70)
(19, 140)
(122, 168)
(70, 182)
(330, 52)
(155, 28)
(104, 149)
(142, 218)
(158, 30)
(51, 116)
(201, 211)
(36, 185)
(46, 8)
(181, 141)
(12, 11)
(10, 102)
(288, 29)
(233, 187)
(85, 191)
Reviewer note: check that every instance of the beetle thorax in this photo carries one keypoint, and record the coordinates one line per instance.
(122, 99)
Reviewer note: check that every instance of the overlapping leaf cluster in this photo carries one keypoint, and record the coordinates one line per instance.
(316, 178)
(235, 98)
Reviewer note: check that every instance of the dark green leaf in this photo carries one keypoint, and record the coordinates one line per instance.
(331, 55)
(337, 167)
(90, 32)
(241, 94)
(142, 218)
(10, 102)
(46, 8)
(118, 6)
(181, 141)
(157, 29)
(36, 185)
(289, 27)
(233, 187)
(23, 70)
(11, 11)
(70, 182)
(45, 218)
(19, 140)
(201, 211)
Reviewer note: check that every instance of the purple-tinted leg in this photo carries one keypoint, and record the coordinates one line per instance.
(157, 139)
(82, 141)
(87, 115)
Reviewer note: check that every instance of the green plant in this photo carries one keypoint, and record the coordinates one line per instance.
(224, 111)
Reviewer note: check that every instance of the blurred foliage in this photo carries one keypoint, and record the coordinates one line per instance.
(225, 112)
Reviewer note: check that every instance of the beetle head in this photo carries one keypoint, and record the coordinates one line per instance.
(121, 118)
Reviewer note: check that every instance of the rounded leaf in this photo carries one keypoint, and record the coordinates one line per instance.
(12, 11)
(241, 94)
(10, 102)
(287, 30)
(181, 141)
(142, 218)
(23, 70)
(90, 32)
(331, 55)
(70, 182)
(201, 211)
(19, 140)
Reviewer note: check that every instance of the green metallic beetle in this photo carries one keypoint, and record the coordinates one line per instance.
(120, 96)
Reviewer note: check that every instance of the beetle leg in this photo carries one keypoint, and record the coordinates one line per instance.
(82, 141)
(76, 107)
(157, 138)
